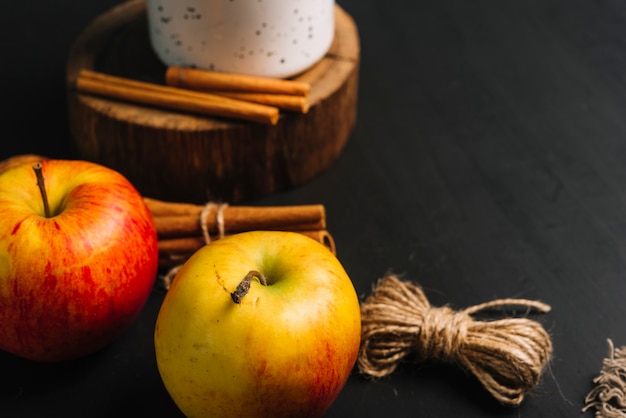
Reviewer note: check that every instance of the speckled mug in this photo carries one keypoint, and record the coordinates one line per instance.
(271, 38)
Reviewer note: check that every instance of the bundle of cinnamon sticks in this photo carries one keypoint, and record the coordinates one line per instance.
(236, 96)
(183, 228)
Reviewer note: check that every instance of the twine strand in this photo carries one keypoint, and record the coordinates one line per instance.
(205, 214)
(204, 220)
(219, 219)
(608, 397)
(507, 356)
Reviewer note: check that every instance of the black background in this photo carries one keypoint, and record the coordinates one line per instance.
(488, 161)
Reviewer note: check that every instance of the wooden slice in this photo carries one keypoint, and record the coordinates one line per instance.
(193, 158)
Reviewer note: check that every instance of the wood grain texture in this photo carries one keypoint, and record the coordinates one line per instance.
(185, 157)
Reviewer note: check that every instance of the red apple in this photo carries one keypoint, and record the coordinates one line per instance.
(258, 324)
(73, 280)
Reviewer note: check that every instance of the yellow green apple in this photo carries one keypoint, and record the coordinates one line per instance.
(258, 324)
(78, 258)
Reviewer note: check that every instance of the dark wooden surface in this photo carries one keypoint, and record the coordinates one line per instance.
(488, 161)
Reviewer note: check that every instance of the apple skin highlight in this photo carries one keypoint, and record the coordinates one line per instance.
(286, 350)
(71, 283)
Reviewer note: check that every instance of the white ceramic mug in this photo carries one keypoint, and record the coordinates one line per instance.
(272, 38)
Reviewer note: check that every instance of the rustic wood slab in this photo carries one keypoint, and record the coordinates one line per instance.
(185, 157)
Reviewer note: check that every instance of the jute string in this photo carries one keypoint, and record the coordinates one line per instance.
(507, 356)
(608, 397)
(205, 214)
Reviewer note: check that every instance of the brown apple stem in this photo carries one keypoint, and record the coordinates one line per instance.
(244, 286)
(42, 188)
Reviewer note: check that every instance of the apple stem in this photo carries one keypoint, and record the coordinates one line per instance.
(42, 188)
(244, 286)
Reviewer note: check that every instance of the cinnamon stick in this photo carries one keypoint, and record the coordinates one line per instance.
(244, 218)
(191, 244)
(183, 245)
(174, 98)
(212, 80)
(292, 103)
(162, 208)
(177, 219)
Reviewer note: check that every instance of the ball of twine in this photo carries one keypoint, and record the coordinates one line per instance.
(507, 355)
